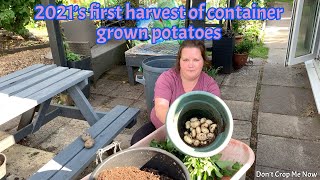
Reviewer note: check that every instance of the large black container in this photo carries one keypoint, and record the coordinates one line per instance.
(222, 54)
(84, 64)
(145, 157)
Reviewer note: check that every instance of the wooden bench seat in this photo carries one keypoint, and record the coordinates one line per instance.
(74, 158)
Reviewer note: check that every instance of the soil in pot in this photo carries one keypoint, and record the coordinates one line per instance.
(129, 173)
(240, 60)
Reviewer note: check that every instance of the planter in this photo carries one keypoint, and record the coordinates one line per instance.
(145, 157)
(240, 60)
(238, 39)
(84, 64)
(234, 151)
(3, 161)
(222, 52)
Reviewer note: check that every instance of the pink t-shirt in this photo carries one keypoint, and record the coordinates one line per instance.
(169, 86)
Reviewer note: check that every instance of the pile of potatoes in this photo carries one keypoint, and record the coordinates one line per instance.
(199, 132)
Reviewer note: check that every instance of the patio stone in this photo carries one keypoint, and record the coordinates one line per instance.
(246, 94)
(97, 100)
(245, 77)
(286, 100)
(285, 76)
(142, 119)
(105, 87)
(288, 154)
(142, 97)
(277, 56)
(10, 126)
(63, 136)
(276, 38)
(279, 23)
(219, 78)
(33, 140)
(116, 77)
(140, 104)
(242, 130)
(23, 161)
(127, 91)
(240, 110)
(114, 101)
(257, 61)
(289, 126)
(119, 70)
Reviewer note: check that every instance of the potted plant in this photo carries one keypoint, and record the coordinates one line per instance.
(222, 50)
(78, 61)
(237, 28)
(241, 53)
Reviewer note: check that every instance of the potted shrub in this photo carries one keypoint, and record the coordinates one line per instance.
(238, 28)
(241, 53)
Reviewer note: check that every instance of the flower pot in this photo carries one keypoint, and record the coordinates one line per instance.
(240, 60)
(3, 161)
(238, 39)
(145, 157)
(84, 64)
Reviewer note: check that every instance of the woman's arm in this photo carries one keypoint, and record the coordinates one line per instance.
(161, 108)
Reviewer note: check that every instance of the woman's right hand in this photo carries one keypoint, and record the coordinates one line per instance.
(161, 106)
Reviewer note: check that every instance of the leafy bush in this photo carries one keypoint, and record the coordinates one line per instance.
(15, 15)
(244, 46)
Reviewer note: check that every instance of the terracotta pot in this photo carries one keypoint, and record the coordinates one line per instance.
(238, 39)
(239, 60)
(3, 160)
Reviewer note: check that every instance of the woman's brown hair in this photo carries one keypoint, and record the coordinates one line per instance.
(192, 44)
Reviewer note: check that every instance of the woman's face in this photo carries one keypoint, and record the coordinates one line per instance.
(191, 63)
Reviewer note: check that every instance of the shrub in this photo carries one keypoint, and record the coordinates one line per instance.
(244, 47)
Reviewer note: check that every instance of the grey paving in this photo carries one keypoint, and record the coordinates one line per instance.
(127, 91)
(286, 100)
(246, 94)
(277, 56)
(112, 102)
(240, 110)
(105, 86)
(245, 77)
(285, 76)
(289, 126)
(242, 130)
(23, 161)
(288, 154)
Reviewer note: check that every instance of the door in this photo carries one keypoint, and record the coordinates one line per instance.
(304, 33)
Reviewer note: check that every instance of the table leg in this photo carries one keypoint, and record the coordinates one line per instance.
(131, 75)
(83, 105)
(26, 118)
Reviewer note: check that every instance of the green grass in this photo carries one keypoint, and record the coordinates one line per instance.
(259, 51)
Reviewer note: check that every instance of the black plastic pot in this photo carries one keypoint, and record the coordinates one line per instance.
(145, 157)
(222, 54)
(84, 64)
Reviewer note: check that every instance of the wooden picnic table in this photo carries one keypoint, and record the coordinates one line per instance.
(23, 91)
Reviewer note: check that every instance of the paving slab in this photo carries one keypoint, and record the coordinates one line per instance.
(142, 119)
(219, 78)
(127, 91)
(286, 100)
(116, 77)
(277, 56)
(284, 22)
(246, 94)
(97, 100)
(11, 125)
(288, 154)
(289, 126)
(124, 139)
(242, 130)
(112, 102)
(140, 104)
(240, 110)
(64, 136)
(285, 76)
(245, 77)
(118, 70)
(257, 61)
(35, 139)
(23, 161)
(105, 86)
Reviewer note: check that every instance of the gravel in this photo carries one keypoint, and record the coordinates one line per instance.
(13, 62)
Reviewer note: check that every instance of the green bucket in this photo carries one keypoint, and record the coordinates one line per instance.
(199, 104)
